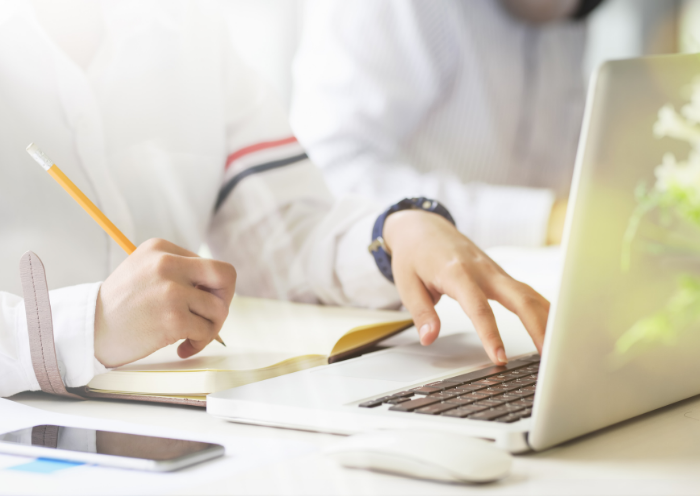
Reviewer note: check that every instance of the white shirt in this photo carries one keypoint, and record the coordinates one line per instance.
(171, 137)
(456, 100)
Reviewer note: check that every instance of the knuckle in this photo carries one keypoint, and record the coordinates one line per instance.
(163, 264)
(423, 314)
(226, 273)
(172, 293)
(457, 265)
(481, 309)
(528, 297)
(155, 244)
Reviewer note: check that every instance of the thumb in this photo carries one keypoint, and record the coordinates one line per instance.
(419, 302)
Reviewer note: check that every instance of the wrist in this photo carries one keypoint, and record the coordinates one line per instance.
(399, 224)
(379, 248)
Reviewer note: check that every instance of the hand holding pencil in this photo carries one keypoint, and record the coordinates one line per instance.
(162, 293)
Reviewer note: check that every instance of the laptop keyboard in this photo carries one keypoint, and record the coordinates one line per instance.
(498, 393)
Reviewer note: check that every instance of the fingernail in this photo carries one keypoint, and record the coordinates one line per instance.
(501, 355)
(424, 331)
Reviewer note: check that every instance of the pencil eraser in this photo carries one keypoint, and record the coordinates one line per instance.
(40, 157)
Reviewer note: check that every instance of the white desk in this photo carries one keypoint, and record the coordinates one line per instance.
(655, 454)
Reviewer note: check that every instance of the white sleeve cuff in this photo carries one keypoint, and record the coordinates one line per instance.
(73, 312)
(357, 271)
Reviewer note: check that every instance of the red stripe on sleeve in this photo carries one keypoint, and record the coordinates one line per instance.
(257, 147)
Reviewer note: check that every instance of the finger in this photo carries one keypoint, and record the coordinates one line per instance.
(166, 246)
(216, 277)
(475, 304)
(208, 306)
(419, 302)
(190, 347)
(531, 308)
(200, 332)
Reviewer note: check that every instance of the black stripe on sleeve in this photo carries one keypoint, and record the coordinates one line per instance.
(233, 182)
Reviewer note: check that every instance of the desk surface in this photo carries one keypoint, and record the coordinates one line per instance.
(655, 454)
(658, 453)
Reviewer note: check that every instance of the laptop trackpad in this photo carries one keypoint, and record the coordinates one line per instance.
(414, 362)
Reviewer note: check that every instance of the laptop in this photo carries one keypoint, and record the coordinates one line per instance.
(623, 337)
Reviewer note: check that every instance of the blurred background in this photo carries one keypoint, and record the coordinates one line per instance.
(267, 33)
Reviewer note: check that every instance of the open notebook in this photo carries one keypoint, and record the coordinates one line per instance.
(264, 339)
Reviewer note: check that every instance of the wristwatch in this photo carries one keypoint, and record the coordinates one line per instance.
(378, 248)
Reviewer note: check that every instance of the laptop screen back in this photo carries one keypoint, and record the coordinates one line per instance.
(624, 336)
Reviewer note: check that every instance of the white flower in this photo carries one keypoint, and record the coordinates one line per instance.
(691, 111)
(670, 123)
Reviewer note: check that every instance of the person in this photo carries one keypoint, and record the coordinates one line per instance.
(146, 107)
(475, 103)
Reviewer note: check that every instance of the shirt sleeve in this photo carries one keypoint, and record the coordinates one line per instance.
(357, 98)
(276, 220)
(73, 315)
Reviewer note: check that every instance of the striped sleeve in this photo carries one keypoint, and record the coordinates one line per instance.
(257, 158)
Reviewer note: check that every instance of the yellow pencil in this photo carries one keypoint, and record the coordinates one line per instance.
(106, 224)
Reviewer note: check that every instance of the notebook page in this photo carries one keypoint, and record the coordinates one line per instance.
(295, 328)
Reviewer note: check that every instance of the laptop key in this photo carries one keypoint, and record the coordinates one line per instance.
(491, 392)
(373, 403)
(468, 388)
(499, 377)
(504, 387)
(519, 394)
(513, 407)
(436, 408)
(402, 393)
(522, 381)
(490, 403)
(527, 402)
(396, 401)
(517, 373)
(479, 395)
(489, 414)
(409, 406)
(445, 395)
(427, 390)
(526, 413)
(461, 401)
(487, 382)
(507, 419)
(463, 411)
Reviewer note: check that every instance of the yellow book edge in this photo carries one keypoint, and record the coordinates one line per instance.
(220, 379)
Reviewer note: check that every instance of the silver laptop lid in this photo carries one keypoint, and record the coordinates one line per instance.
(624, 336)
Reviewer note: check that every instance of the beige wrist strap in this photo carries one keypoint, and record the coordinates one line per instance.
(45, 435)
(40, 325)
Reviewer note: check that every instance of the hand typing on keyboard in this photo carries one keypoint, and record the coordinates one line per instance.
(429, 258)
(501, 394)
